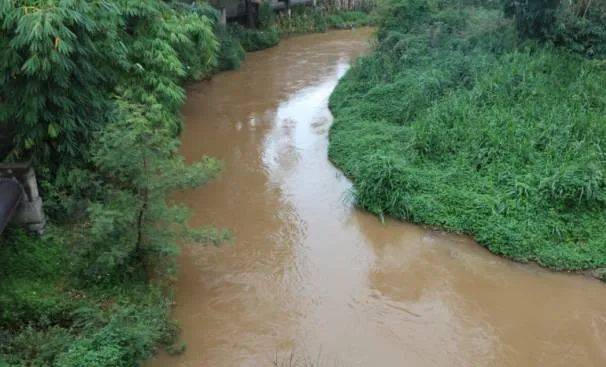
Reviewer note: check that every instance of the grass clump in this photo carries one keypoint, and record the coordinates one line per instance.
(253, 39)
(455, 121)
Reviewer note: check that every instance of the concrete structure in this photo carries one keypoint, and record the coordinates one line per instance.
(237, 8)
(28, 212)
(10, 198)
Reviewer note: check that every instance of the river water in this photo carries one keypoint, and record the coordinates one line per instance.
(309, 275)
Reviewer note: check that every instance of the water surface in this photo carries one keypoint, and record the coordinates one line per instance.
(308, 272)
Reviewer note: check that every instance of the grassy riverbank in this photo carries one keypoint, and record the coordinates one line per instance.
(460, 119)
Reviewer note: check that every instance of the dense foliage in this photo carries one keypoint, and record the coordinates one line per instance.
(92, 91)
(46, 322)
(64, 61)
(456, 120)
(576, 24)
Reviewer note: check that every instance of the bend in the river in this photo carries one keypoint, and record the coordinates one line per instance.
(308, 272)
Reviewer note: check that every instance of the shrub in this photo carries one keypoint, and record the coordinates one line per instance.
(266, 17)
(255, 39)
(231, 52)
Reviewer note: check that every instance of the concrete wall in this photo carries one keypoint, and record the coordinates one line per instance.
(29, 213)
(237, 8)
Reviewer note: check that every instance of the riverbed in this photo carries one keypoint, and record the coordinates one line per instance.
(310, 276)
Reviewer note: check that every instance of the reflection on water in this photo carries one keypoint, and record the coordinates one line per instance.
(309, 272)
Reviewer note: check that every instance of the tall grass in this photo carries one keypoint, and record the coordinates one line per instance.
(314, 20)
(454, 121)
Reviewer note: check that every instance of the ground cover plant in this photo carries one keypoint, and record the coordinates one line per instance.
(464, 119)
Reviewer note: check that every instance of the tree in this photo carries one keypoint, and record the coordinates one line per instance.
(134, 223)
(57, 65)
(576, 24)
(63, 61)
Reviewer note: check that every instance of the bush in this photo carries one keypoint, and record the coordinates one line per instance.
(266, 17)
(47, 319)
(28, 269)
(231, 52)
(255, 39)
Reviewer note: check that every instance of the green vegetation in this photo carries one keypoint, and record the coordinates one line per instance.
(49, 320)
(255, 39)
(350, 19)
(231, 52)
(469, 120)
(302, 20)
(576, 24)
(91, 92)
(310, 20)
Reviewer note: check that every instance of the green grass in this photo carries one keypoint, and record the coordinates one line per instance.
(454, 122)
(48, 319)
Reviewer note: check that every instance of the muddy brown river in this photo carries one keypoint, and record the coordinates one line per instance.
(310, 275)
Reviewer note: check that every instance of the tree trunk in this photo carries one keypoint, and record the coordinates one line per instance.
(250, 13)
